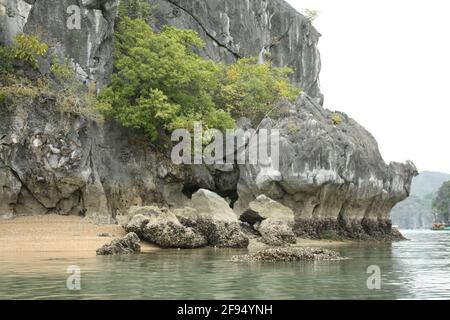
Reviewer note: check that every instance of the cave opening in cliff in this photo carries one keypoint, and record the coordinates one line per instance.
(230, 195)
(189, 189)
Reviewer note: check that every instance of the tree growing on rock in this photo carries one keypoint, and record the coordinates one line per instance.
(161, 84)
(441, 203)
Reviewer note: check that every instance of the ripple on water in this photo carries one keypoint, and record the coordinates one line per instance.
(419, 268)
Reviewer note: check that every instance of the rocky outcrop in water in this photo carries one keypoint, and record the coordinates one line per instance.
(129, 244)
(271, 220)
(288, 255)
(331, 174)
(209, 221)
(161, 227)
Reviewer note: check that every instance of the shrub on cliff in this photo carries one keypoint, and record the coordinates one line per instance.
(22, 78)
(252, 90)
(160, 82)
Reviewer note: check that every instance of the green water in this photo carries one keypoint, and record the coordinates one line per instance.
(419, 268)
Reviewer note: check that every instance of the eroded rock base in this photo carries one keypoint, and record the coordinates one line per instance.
(353, 229)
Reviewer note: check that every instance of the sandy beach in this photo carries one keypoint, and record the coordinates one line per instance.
(55, 235)
(70, 236)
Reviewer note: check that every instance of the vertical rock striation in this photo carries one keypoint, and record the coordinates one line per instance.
(81, 30)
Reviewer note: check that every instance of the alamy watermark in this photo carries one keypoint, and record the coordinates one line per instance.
(73, 282)
(212, 146)
(374, 280)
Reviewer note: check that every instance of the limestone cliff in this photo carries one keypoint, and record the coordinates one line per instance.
(331, 175)
(79, 29)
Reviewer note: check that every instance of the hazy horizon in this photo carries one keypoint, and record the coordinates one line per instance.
(386, 64)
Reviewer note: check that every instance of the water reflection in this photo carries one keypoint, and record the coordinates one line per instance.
(414, 269)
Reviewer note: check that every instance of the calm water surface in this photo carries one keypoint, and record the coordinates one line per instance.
(419, 268)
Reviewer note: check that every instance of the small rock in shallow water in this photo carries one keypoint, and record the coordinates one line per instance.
(288, 255)
(105, 235)
(127, 245)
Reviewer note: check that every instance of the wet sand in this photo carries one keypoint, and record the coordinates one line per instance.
(56, 236)
(70, 236)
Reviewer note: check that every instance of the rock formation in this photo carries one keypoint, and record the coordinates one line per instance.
(79, 30)
(271, 220)
(210, 221)
(331, 175)
(129, 244)
(288, 255)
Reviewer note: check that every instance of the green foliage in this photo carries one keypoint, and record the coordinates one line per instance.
(7, 58)
(159, 82)
(73, 96)
(28, 48)
(252, 90)
(292, 128)
(61, 71)
(441, 202)
(61, 83)
(336, 118)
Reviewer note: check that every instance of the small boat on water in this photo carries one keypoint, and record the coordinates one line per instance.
(440, 227)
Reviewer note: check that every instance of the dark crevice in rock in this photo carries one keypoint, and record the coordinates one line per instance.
(189, 189)
(24, 186)
(220, 44)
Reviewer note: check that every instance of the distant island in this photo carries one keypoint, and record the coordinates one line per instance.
(416, 212)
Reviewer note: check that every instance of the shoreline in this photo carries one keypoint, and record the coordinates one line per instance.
(57, 236)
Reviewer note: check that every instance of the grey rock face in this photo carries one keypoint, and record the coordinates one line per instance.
(250, 28)
(272, 220)
(275, 233)
(217, 221)
(167, 232)
(331, 176)
(13, 16)
(163, 229)
(88, 44)
(129, 244)
(263, 208)
(210, 204)
(62, 163)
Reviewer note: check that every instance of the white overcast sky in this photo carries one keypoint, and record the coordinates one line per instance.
(386, 63)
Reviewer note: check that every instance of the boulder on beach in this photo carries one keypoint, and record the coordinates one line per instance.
(165, 230)
(276, 233)
(288, 255)
(263, 208)
(272, 220)
(216, 220)
(129, 244)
